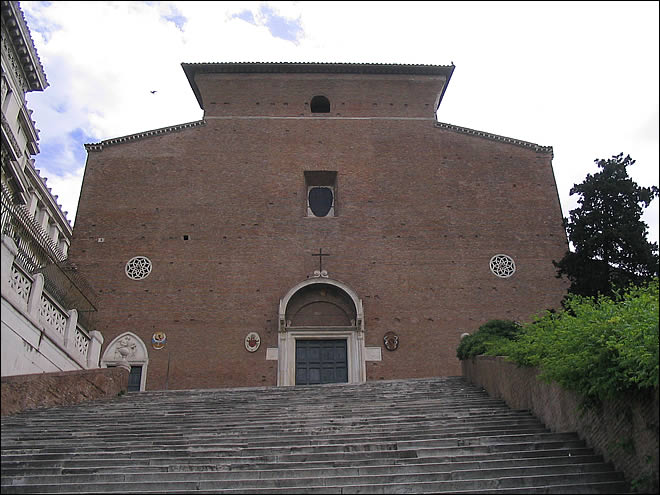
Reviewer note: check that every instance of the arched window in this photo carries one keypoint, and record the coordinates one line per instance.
(320, 201)
(321, 193)
(320, 104)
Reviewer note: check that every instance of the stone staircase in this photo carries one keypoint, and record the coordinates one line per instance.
(404, 436)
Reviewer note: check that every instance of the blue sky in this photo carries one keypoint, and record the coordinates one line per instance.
(579, 76)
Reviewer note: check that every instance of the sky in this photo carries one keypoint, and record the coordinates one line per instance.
(581, 77)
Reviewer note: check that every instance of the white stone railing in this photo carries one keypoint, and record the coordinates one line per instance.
(20, 282)
(52, 315)
(26, 294)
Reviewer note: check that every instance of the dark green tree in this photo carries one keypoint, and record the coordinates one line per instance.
(609, 238)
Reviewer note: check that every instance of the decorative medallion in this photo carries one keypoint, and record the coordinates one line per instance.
(158, 340)
(138, 268)
(252, 341)
(502, 265)
(391, 341)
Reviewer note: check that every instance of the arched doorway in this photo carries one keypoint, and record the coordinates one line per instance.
(321, 334)
(136, 355)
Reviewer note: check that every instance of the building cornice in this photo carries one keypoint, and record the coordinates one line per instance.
(142, 135)
(494, 137)
(18, 36)
(316, 68)
(191, 69)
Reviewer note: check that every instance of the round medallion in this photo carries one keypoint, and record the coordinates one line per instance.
(252, 341)
(138, 268)
(158, 340)
(391, 341)
(502, 265)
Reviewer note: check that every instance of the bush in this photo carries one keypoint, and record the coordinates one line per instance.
(596, 347)
(489, 337)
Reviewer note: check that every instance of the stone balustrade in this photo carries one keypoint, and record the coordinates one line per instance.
(26, 293)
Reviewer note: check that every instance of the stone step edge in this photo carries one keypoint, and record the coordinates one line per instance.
(426, 453)
(308, 483)
(272, 417)
(84, 445)
(399, 446)
(238, 419)
(586, 458)
(460, 458)
(327, 473)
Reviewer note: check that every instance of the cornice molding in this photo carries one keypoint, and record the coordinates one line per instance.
(494, 137)
(18, 36)
(316, 68)
(142, 135)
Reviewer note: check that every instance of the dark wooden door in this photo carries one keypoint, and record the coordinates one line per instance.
(134, 379)
(321, 361)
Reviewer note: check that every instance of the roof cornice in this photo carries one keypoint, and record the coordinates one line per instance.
(143, 135)
(191, 69)
(316, 68)
(20, 39)
(494, 137)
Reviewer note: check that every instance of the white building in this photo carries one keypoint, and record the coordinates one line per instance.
(47, 309)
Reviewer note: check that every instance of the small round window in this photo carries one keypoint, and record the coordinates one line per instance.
(138, 268)
(502, 265)
(320, 200)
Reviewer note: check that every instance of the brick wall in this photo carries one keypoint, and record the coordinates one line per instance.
(350, 95)
(623, 431)
(22, 392)
(420, 212)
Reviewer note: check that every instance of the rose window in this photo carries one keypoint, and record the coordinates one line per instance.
(502, 265)
(138, 268)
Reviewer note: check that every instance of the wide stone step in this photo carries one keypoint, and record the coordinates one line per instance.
(270, 418)
(388, 483)
(164, 458)
(319, 447)
(283, 423)
(121, 444)
(577, 455)
(144, 417)
(454, 471)
(56, 435)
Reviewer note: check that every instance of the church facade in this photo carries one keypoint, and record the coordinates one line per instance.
(318, 225)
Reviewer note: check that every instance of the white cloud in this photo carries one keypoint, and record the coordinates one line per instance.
(579, 76)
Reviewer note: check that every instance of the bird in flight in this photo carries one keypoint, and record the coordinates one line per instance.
(153, 92)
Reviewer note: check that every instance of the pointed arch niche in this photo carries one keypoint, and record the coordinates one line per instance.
(322, 308)
(137, 354)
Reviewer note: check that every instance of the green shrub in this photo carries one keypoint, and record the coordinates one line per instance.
(489, 337)
(596, 347)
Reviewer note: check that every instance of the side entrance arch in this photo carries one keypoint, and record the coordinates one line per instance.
(321, 334)
(133, 348)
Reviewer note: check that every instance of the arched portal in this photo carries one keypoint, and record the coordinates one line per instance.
(136, 354)
(320, 320)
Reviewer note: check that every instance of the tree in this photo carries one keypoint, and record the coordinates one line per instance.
(611, 250)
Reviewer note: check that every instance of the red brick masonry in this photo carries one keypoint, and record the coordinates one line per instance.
(22, 392)
(623, 431)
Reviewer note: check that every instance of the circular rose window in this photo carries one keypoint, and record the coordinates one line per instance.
(138, 268)
(502, 265)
